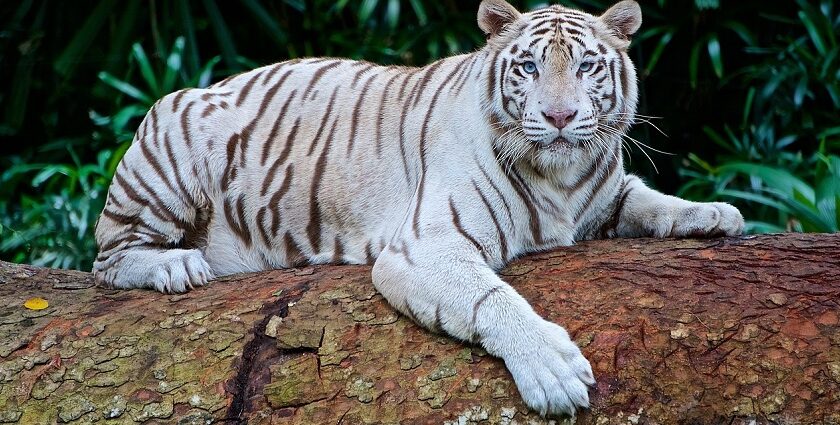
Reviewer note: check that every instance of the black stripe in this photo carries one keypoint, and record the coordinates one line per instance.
(354, 121)
(317, 75)
(323, 121)
(313, 229)
(275, 129)
(274, 202)
(380, 118)
(281, 159)
(501, 232)
(456, 221)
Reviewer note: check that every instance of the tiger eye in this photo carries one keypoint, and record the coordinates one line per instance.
(529, 67)
(586, 66)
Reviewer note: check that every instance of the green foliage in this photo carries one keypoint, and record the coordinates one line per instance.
(157, 82)
(786, 202)
(703, 42)
(790, 106)
(54, 228)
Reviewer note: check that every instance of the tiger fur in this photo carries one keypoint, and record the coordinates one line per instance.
(438, 176)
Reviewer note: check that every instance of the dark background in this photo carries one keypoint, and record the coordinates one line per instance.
(746, 91)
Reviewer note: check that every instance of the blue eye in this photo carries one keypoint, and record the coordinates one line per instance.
(529, 67)
(586, 66)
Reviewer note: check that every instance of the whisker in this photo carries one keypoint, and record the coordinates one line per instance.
(633, 118)
(618, 132)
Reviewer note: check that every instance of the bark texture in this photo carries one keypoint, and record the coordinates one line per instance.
(678, 331)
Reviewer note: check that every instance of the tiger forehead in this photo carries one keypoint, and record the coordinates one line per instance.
(556, 18)
(555, 33)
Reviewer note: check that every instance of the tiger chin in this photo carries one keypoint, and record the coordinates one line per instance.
(438, 176)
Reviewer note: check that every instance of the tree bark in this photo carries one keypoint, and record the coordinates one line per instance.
(699, 331)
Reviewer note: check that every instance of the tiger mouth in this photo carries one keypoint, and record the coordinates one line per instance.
(558, 144)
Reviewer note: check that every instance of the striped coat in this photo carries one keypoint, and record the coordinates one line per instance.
(437, 175)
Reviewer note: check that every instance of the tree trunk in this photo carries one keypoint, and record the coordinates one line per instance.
(701, 331)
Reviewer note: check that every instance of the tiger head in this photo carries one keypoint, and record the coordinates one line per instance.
(560, 86)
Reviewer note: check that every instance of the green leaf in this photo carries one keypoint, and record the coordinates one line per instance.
(173, 67)
(776, 178)
(772, 84)
(800, 91)
(701, 163)
(748, 103)
(451, 43)
(717, 138)
(785, 141)
(837, 211)
(116, 157)
(340, 5)
(49, 172)
(807, 214)
(246, 63)
(145, 67)
(658, 50)
(743, 32)
(121, 119)
(822, 20)
(713, 46)
(205, 76)
(753, 227)
(828, 132)
(707, 4)
(102, 159)
(420, 11)
(813, 32)
(365, 10)
(392, 14)
(828, 187)
(834, 92)
(126, 88)
(299, 5)
(755, 197)
(829, 62)
(19, 169)
(800, 199)
(693, 61)
(644, 35)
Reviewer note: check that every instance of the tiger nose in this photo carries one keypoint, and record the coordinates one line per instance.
(560, 118)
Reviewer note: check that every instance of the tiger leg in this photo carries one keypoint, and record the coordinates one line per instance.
(152, 228)
(447, 286)
(642, 211)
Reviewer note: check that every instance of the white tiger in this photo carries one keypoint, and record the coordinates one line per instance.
(438, 176)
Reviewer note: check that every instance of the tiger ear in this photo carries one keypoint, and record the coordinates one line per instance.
(495, 15)
(623, 19)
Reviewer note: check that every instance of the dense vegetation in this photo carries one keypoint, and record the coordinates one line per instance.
(747, 93)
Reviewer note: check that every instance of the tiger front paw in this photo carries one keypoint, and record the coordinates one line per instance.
(708, 220)
(550, 371)
(690, 219)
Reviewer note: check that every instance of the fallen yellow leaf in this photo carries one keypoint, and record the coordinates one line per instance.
(36, 303)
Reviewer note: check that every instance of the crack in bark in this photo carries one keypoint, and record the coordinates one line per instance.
(241, 384)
